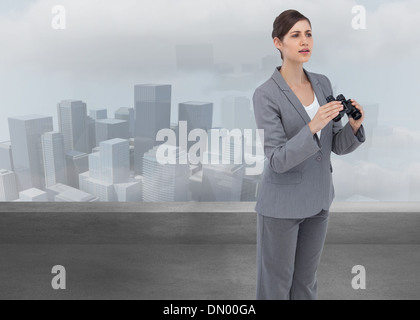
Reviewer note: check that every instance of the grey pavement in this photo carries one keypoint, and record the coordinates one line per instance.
(194, 251)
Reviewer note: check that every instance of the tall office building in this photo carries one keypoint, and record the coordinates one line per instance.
(152, 109)
(73, 124)
(108, 177)
(54, 158)
(198, 115)
(91, 127)
(115, 160)
(76, 163)
(25, 136)
(127, 114)
(107, 129)
(222, 177)
(165, 182)
(6, 159)
(8, 187)
(98, 114)
(152, 113)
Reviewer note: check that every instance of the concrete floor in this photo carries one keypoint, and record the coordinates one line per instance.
(144, 253)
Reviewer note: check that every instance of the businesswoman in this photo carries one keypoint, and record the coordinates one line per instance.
(296, 189)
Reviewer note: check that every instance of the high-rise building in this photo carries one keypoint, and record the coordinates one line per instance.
(165, 182)
(25, 136)
(115, 160)
(152, 105)
(127, 114)
(107, 129)
(54, 158)
(91, 127)
(98, 114)
(6, 159)
(152, 109)
(73, 124)
(198, 115)
(8, 187)
(222, 176)
(76, 163)
(108, 177)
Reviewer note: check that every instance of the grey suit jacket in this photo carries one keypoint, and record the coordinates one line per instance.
(297, 181)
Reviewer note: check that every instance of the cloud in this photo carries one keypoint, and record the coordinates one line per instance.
(120, 36)
(373, 181)
(391, 173)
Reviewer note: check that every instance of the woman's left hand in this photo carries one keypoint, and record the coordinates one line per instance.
(356, 124)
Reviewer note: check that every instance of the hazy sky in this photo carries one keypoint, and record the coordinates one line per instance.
(109, 46)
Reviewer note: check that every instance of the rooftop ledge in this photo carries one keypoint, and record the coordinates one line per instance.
(193, 222)
(198, 207)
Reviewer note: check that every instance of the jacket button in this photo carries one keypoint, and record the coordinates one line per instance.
(319, 158)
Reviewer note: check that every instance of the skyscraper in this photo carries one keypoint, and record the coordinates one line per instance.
(108, 177)
(115, 160)
(165, 182)
(198, 115)
(25, 136)
(98, 114)
(107, 129)
(76, 163)
(73, 124)
(152, 105)
(128, 115)
(152, 109)
(8, 187)
(6, 159)
(54, 158)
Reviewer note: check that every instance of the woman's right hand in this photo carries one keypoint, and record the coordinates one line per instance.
(324, 115)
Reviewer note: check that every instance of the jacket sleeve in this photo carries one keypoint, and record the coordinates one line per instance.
(282, 153)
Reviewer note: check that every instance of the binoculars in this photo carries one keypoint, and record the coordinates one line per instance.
(348, 108)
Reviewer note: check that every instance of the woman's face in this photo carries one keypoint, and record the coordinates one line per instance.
(297, 44)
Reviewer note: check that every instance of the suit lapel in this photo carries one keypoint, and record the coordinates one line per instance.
(278, 78)
(316, 85)
(322, 100)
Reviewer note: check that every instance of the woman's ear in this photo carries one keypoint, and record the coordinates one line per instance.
(277, 43)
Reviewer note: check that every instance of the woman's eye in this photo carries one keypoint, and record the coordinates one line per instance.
(309, 35)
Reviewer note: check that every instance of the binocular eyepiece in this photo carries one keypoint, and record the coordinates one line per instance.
(348, 108)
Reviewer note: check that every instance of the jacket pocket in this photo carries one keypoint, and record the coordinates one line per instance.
(293, 177)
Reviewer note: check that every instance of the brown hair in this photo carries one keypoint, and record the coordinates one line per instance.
(284, 22)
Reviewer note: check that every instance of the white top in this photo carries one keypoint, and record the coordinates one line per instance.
(312, 109)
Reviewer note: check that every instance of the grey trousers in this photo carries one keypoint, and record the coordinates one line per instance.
(288, 255)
